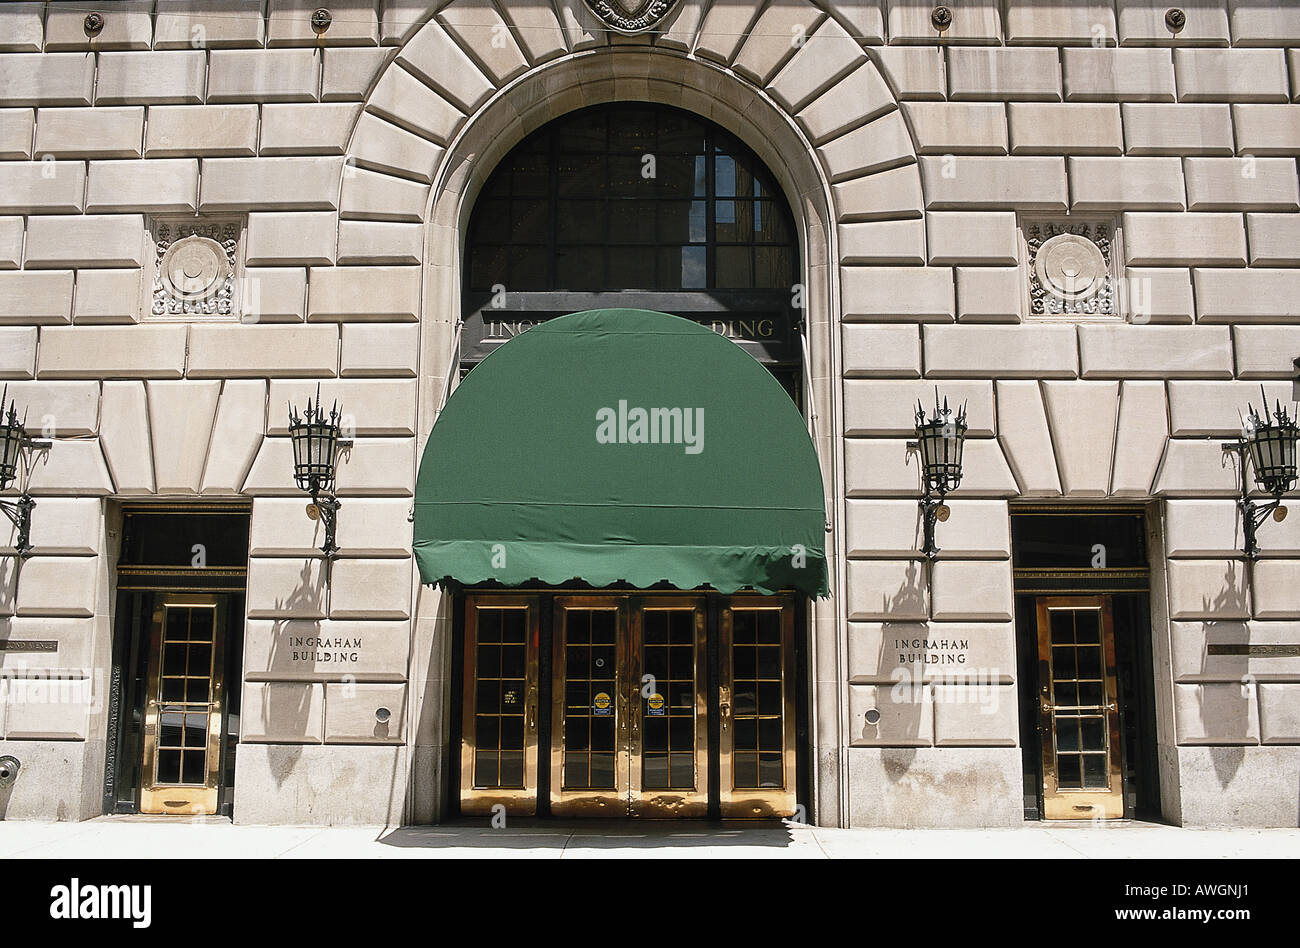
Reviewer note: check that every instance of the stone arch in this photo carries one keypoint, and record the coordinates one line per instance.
(469, 52)
(446, 109)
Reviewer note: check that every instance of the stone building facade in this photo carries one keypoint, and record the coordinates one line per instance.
(926, 170)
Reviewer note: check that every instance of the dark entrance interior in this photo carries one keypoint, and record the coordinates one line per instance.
(1083, 640)
(654, 704)
(174, 688)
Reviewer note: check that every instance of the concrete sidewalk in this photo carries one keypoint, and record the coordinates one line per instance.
(212, 838)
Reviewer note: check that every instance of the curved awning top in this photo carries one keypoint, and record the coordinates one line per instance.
(621, 445)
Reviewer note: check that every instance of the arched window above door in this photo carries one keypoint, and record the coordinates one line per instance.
(631, 197)
(634, 205)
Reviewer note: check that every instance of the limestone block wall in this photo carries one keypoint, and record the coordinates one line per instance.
(914, 161)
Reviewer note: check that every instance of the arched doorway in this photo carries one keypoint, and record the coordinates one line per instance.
(596, 684)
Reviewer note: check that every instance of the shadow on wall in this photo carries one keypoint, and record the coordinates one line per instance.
(8, 596)
(904, 710)
(1227, 714)
(9, 584)
(286, 708)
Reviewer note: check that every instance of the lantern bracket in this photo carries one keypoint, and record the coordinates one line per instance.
(327, 507)
(1253, 514)
(933, 510)
(19, 513)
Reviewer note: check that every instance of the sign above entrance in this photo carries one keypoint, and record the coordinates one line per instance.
(760, 322)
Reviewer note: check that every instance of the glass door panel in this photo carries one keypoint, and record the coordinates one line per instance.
(590, 707)
(499, 731)
(756, 707)
(1079, 717)
(669, 725)
(183, 709)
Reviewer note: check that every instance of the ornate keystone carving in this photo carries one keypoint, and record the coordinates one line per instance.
(1070, 269)
(631, 16)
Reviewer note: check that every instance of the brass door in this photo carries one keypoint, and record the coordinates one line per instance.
(1078, 710)
(669, 709)
(184, 703)
(756, 708)
(499, 731)
(629, 731)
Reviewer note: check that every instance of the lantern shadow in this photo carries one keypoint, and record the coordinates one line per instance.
(286, 711)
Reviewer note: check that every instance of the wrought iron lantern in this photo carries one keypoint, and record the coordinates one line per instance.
(316, 443)
(13, 441)
(1269, 441)
(939, 440)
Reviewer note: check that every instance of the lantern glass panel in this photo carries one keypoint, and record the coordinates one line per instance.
(957, 443)
(1273, 453)
(929, 451)
(941, 445)
(11, 445)
(298, 436)
(323, 441)
(314, 448)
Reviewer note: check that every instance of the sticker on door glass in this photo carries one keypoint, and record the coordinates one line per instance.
(601, 706)
(655, 705)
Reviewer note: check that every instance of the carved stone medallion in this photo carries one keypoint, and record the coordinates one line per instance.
(1070, 269)
(631, 16)
(194, 267)
(1069, 266)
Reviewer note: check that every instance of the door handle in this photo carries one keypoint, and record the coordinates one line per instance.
(725, 708)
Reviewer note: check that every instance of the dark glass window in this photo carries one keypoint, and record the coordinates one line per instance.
(631, 197)
(169, 540)
(1067, 541)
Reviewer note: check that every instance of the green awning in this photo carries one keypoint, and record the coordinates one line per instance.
(621, 445)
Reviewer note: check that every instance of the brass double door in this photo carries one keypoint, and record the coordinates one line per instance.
(622, 724)
(1079, 719)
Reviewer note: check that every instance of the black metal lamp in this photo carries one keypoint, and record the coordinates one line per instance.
(13, 440)
(1270, 443)
(939, 440)
(316, 443)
